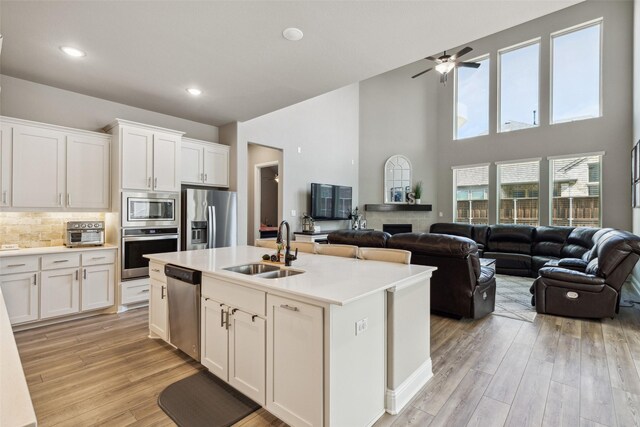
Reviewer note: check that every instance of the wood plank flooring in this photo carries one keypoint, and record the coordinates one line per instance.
(495, 371)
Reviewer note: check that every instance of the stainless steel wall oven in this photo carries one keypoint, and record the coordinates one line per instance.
(137, 242)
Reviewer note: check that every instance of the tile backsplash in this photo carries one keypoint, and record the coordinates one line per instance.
(38, 229)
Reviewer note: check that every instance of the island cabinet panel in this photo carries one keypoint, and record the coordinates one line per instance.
(158, 320)
(295, 361)
(247, 354)
(237, 296)
(214, 339)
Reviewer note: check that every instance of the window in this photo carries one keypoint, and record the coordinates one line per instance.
(576, 191)
(472, 100)
(518, 190)
(576, 73)
(471, 186)
(519, 82)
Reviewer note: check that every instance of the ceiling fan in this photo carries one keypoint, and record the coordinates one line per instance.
(446, 63)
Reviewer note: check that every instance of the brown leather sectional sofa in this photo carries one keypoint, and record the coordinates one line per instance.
(460, 287)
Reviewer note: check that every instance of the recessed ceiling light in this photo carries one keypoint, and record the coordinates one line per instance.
(293, 34)
(72, 51)
(193, 91)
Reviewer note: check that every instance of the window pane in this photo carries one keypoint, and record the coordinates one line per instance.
(472, 104)
(576, 75)
(472, 195)
(576, 195)
(519, 185)
(519, 72)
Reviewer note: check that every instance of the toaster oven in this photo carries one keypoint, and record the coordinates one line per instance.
(84, 233)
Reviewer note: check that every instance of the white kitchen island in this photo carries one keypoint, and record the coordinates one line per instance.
(337, 345)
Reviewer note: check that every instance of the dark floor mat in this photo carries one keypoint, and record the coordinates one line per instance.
(204, 400)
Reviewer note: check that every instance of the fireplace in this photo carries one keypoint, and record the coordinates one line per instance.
(397, 228)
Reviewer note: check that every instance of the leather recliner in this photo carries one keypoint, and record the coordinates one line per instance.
(460, 286)
(594, 293)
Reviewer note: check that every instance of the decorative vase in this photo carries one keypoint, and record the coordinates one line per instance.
(418, 201)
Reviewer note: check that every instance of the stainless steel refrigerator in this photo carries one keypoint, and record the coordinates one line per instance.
(209, 218)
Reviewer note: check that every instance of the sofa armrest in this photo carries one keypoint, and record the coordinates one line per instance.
(571, 276)
(575, 264)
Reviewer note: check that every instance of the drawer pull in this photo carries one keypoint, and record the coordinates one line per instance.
(154, 269)
(16, 265)
(144, 291)
(98, 257)
(289, 307)
(60, 260)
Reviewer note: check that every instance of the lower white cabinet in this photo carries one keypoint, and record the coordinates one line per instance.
(97, 286)
(214, 338)
(20, 292)
(158, 314)
(60, 292)
(295, 361)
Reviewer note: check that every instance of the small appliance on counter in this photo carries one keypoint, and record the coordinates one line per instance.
(84, 233)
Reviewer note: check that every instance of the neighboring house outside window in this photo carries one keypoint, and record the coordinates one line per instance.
(518, 192)
(471, 194)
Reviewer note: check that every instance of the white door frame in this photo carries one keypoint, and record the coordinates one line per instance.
(257, 193)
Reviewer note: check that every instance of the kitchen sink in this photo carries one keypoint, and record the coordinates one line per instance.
(253, 269)
(279, 274)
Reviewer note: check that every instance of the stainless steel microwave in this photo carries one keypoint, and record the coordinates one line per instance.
(150, 209)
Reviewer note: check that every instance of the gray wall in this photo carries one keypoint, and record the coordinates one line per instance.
(32, 101)
(326, 130)
(259, 154)
(398, 116)
(610, 133)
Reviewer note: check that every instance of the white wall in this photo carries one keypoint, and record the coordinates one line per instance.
(397, 116)
(326, 130)
(636, 116)
(610, 133)
(32, 101)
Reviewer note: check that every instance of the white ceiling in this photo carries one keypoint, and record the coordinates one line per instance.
(145, 53)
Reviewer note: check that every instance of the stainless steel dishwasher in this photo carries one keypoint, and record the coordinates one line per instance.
(183, 293)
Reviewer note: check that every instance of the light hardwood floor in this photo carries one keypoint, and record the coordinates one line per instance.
(490, 372)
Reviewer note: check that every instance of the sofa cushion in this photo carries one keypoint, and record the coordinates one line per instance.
(370, 239)
(549, 241)
(453, 229)
(539, 261)
(480, 234)
(486, 275)
(510, 261)
(579, 241)
(434, 244)
(510, 238)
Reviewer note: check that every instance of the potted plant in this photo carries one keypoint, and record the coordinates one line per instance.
(417, 190)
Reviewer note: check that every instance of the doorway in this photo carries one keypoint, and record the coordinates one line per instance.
(265, 192)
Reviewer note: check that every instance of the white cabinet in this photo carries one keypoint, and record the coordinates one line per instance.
(88, 172)
(97, 286)
(150, 156)
(54, 168)
(294, 361)
(158, 314)
(234, 340)
(6, 138)
(38, 167)
(59, 292)
(205, 163)
(20, 292)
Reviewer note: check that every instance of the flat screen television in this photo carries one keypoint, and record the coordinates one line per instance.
(330, 202)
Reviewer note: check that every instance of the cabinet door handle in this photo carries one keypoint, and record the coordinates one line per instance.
(155, 182)
(149, 182)
(289, 307)
(221, 318)
(16, 265)
(162, 293)
(84, 273)
(60, 260)
(227, 326)
(68, 199)
(60, 199)
(4, 197)
(35, 279)
(201, 177)
(205, 177)
(76, 274)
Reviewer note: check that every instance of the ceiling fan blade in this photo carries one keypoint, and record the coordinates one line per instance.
(462, 51)
(431, 58)
(468, 64)
(419, 74)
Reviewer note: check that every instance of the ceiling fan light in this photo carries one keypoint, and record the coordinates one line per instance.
(445, 67)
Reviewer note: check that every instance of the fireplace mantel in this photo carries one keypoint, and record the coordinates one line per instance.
(397, 208)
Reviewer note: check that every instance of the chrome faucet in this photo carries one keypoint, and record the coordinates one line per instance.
(287, 250)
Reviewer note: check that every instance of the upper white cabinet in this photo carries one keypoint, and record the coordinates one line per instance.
(88, 172)
(52, 167)
(149, 156)
(205, 163)
(38, 167)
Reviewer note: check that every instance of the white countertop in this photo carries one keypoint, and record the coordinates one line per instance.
(16, 408)
(51, 250)
(328, 279)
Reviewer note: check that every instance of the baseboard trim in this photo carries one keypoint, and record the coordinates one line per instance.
(397, 399)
